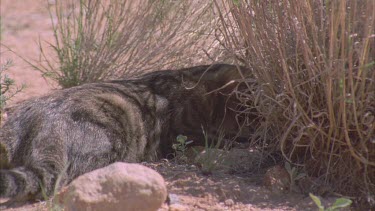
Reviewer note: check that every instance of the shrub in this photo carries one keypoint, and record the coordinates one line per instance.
(97, 40)
(315, 63)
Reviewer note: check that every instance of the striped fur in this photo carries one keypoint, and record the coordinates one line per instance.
(77, 130)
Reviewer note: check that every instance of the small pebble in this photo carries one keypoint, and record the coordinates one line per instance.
(229, 202)
(173, 198)
(177, 207)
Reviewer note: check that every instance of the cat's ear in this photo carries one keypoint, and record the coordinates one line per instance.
(227, 73)
(219, 72)
(217, 76)
(228, 77)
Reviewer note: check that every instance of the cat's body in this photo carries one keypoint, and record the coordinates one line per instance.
(77, 130)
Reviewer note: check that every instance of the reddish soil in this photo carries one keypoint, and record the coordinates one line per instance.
(25, 22)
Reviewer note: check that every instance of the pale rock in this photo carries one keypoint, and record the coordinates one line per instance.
(119, 186)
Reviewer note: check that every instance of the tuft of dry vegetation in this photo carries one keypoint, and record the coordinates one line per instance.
(97, 40)
(315, 64)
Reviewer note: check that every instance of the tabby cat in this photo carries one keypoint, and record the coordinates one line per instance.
(77, 130)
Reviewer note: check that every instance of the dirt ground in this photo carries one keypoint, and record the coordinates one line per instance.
(190, 190)
(24, 22)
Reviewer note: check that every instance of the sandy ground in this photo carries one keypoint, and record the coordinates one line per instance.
(25, 22)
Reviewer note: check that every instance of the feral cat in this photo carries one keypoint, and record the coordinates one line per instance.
(77, 130)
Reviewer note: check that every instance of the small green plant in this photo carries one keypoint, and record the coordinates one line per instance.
(7, 87)
(180, 147)
(294, 176)
(211, 158)
(337, 205)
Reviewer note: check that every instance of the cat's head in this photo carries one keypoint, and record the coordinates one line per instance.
(223, 110)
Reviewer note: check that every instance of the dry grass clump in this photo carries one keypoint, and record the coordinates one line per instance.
(97, 40)
(315, 64)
